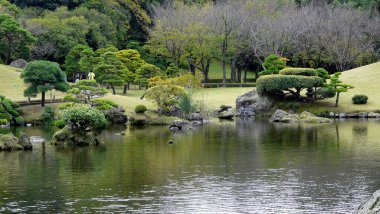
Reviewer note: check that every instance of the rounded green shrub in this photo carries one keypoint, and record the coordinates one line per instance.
(6, 116)
(70, 98)
(140, 109)
(299, 71)
(360, 99)
(48, 115)
(271, 84)
(60, 123)
(20, 120)
(326, 92)
(3, 122)
(102, 104)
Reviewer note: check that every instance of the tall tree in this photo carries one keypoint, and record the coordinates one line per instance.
(43, 76)
(15, 41)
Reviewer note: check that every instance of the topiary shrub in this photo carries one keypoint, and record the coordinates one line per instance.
(102, 104)
(360, 99)
(299, 71)
(140, 109)
(273, 84)
(60, 123)
(326, 92)
(9, 110)
(3, 122)
(20, 120)
(70, 98)
(48, 115)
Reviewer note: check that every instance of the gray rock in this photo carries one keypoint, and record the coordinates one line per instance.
(226, 114)
(36, 139)
(363, 114)
(331, 114)
(372, 206)
(178, 125)
(305, 117)
(116, 115)
(247, 105)
(9, 142)
(373, 115)
(19, 63)
(195, 117)
(353, 115)
(342, 115)
(175, 112)
(24, 141)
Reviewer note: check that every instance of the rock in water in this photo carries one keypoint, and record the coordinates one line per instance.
(116, 115)
(9, 142)
(305, 117)
(251, 103)
(24, 141)
(225, 112)
(19, 63)
(372, 206)
(195, 117)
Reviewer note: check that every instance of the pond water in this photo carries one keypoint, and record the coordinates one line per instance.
(242, 166)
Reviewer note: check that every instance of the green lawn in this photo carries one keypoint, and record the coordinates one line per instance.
(13, 87)
(366, 80)
(216, 71)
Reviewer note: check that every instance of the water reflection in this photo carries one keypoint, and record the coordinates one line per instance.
(244, 166)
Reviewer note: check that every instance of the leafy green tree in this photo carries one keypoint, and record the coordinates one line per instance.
(146, 72)
(72, 65)
(110, 70)
(273, 64)
(87, 89)
(339, 87)
(15, 41)
(43, 76)
(7, 7)
(108, 48)
(87, 60)
(165, 96)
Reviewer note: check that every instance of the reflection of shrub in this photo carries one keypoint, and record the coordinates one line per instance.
(360, 99)
(140, 109)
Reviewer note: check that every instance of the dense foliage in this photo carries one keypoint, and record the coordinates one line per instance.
(165, 96)
(43, 76)
(9, 112)
(299, 71)
(360, 99)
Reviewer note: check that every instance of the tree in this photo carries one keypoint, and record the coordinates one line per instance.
(145, 72)
(165, 96)
(110, 70)
(87, 60)
(87, 89)
(15, 41)
(273, 64)
(339, 87)
(72, 65)
(43, 76)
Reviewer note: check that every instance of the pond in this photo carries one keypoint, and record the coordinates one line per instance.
(242, 166)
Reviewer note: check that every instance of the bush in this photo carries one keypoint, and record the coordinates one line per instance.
(85, 119)
(48, 115)
(326, 92)
(185, 103)
(60, 123)
(299, 71)
(360, 99)
(20, 120)
(6, 116)
(140, 109)
(271, 84)
(103, 105)
(165, 96)
(70, 98)
(3, 122)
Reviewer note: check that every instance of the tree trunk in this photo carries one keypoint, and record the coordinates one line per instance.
(125, 89)
(245, 73)
(113, 89)
(224, 72)
(43, 99)
(192, 69)
(239, 71)
(337, 99)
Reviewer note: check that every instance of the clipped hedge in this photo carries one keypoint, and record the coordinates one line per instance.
(299, 71)
(270, 84)
(360, 99)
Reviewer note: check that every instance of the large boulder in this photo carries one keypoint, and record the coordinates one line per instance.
(116, 115)
(225, 112)
(9, 142)
(251, 103)
(66, 137)
(372, 206)
(305, 117)
(195, 117)
(25, 142)
(19, 63)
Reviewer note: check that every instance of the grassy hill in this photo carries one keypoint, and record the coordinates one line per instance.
(366, 81)
(13, 87)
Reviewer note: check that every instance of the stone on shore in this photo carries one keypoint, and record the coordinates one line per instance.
(305, 117)
(251, 103)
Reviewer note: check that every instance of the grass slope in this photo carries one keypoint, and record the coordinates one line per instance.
(366, 81)
(13, 87)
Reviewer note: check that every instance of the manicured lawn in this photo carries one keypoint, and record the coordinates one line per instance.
(13, 87)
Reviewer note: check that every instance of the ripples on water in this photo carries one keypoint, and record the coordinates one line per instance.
(230, 167)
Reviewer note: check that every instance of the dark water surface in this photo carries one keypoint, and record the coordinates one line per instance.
(245, 166)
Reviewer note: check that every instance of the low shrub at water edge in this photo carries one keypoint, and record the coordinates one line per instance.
(102, 104)
(140, 109)
(360, 99)
(3, 122)
(60, 123)
(20, 120)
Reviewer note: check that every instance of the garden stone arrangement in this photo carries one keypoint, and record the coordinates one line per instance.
(247, 105)
(281, 116)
